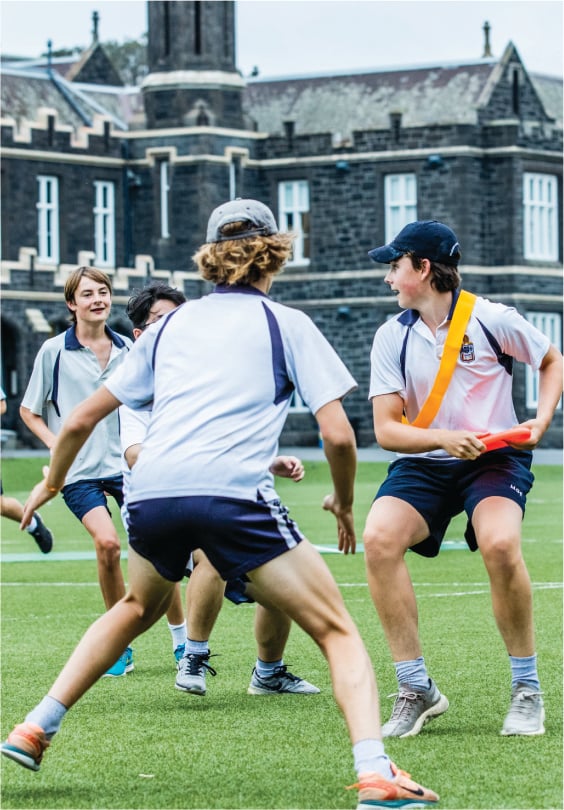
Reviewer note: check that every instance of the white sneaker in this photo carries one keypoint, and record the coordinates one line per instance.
(412, 709)
(191, 676)
(280, 682)
(526, 713)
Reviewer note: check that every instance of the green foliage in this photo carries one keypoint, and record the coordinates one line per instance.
(129, 58)
(136, 742)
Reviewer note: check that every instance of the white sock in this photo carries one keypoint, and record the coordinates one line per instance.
(32, 526)
(178, 633)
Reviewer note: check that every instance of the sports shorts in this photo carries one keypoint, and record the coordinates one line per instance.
(82, 496)
(236, 535)
(439, 490)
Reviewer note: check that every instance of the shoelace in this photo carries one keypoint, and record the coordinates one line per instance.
(519, 703)
(196, 663)
(281, 671)
(405, 702)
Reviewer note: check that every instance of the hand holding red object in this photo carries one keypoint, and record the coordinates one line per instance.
(515, 435)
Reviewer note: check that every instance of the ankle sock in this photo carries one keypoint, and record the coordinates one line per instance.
(524, 670)
(197, 647)
(48, 715)
(370, 757)
(265, 669)
(413, 673)
(178, 633)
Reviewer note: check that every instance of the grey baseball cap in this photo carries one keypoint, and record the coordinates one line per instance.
(258, 215)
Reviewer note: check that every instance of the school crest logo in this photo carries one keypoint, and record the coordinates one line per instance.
(467, 350)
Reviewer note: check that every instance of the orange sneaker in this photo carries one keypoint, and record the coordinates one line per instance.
(26, 745)
(401, 791)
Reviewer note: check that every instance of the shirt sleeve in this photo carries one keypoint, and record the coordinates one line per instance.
(516, 336)
(314, 366)
(39, 387)
(385, 368)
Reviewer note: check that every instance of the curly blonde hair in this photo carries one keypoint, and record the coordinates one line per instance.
(243, 261)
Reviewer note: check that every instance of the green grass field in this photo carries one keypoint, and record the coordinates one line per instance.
(136, 742)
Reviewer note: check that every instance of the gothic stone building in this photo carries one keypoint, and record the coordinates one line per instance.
(125, 177)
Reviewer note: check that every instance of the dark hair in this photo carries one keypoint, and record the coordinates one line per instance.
(140, 303)
(445, 277)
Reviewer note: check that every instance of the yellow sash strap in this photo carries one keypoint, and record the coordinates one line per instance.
(453, 342)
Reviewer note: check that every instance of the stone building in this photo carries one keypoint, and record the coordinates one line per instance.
(125, 177)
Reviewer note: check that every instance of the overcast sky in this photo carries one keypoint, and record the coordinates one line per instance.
(289, 37)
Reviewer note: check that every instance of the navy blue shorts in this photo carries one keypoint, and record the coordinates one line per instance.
(237, 536)
(439, 490)
(82, 496)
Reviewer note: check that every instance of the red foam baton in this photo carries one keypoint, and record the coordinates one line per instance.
(515, 435)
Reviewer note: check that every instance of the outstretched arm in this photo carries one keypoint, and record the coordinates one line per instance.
(340, 449)
(77, 428)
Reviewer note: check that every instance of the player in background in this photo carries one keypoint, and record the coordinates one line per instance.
(206, 589)
(11, 508)
(218, 407)
(442, 470)
(68, 368)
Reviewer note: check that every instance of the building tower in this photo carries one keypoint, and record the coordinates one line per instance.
(192, 78)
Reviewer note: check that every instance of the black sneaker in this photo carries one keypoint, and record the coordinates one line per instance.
(42, 536)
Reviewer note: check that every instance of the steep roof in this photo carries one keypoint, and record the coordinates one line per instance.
(444, 94)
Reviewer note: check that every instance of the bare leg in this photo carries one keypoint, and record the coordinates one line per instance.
(175, 613)
(204, 598)
(300, 584)
(497, 523)
(146, 601)
(11, 508)
(108, 550)
(388, 576)
(272, 626)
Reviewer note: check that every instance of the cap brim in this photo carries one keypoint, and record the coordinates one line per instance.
(385, 254)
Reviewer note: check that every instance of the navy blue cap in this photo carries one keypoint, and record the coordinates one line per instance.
(426, 239)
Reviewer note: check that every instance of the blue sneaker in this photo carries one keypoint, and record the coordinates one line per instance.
(179, 652)
(122, 665)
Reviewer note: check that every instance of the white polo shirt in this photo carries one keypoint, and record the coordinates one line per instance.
(219, 372)
(479, 396)
(64, 374)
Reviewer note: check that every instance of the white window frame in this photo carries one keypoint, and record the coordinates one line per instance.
(293, 208)
(550, 324)
(400, 202)
(104, 223)
(48, 219)
(540, 217)
(164, 176)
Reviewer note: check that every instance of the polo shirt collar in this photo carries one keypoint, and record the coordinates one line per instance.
(247, 289)
(72, 343)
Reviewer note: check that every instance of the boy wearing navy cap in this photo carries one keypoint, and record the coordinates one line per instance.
(432, 412)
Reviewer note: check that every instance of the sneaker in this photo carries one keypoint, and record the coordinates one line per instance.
(179, 652)
(129, 665)
(192, 669)
(281, 681)
(120, 666)
(401, 791)
(42, 536)
(412, 709)
(526, 713)
(26, 745)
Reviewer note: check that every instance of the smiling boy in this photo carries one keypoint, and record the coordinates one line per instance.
(67, 369)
